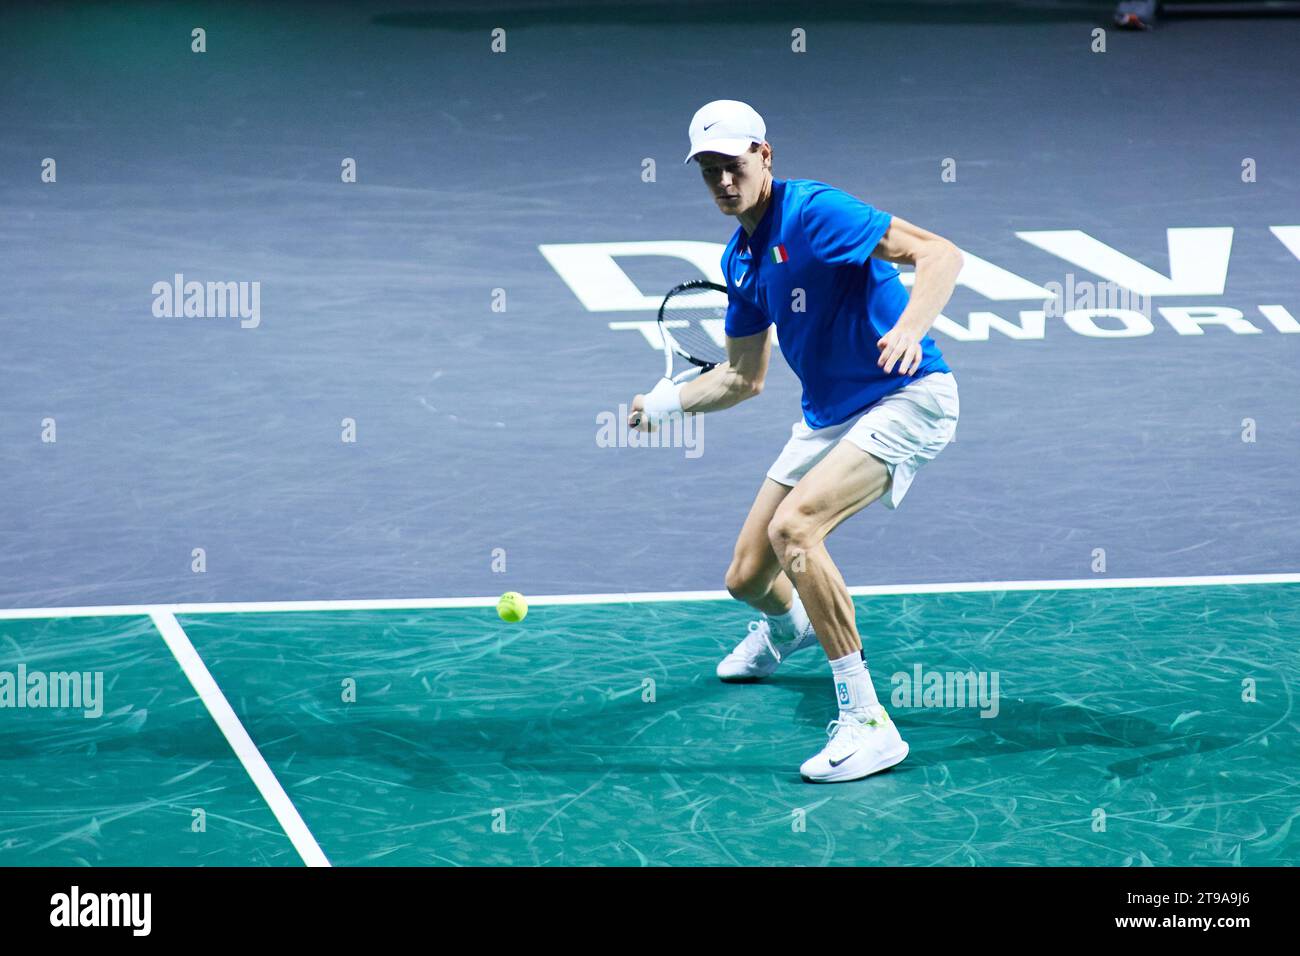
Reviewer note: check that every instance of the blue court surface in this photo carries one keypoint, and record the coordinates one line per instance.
(277, 535)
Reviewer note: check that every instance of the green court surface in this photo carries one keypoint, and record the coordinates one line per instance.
(120, 789)
(597, 734)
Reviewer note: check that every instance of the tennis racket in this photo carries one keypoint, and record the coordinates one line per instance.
(688, 323)
(689, 318)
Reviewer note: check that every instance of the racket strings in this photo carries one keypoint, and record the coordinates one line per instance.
(694, 340)
(696, 318)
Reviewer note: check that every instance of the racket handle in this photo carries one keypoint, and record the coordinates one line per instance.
(695, 371)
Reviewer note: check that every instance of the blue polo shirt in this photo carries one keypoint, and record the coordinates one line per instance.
(819, 239)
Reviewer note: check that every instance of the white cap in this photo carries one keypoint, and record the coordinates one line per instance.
(725, 126)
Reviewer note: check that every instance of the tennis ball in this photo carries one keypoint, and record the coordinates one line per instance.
(512, 607)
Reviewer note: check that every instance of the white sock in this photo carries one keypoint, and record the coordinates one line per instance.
(853, 688)
(790, 625)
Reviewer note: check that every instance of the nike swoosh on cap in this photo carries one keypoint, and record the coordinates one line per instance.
(714, 123)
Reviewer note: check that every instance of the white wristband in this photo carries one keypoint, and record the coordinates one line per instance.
(664, 399)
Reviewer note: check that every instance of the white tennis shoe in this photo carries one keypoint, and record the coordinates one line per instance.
(757, 656)
(859, 746)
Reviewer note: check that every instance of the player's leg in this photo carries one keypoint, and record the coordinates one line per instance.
(842, 484)
(877, 457)
(863, 740)
(755, 577)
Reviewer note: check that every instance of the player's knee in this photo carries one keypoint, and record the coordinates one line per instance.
(789, 535)
(793, 533)
(743, 580)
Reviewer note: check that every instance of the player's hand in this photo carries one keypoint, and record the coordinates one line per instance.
(901, 346)
(636, 417)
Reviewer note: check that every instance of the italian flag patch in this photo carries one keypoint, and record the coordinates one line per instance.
(779, 254)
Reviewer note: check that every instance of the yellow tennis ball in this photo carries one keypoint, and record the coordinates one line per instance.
(512, 607)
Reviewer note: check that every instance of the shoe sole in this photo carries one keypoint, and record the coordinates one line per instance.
(891, 760)
(744, 680)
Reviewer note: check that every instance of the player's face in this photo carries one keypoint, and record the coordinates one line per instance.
(736, 182)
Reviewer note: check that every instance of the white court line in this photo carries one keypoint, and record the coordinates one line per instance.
(633, 597)
(285, 812)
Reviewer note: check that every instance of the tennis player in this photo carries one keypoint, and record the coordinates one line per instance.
(879, 402)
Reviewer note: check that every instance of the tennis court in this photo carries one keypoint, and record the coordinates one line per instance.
(267, 545)
(594, 733)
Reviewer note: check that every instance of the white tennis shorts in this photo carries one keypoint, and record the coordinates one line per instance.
(905, 429)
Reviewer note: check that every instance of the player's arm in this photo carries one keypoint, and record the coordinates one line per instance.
(938, 263)
(738, 378)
